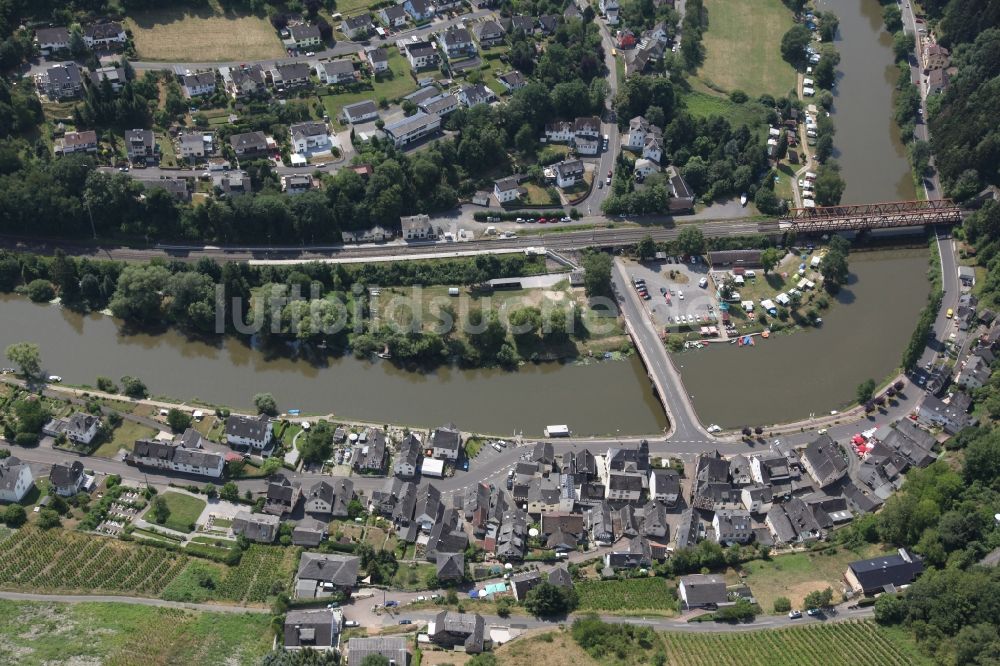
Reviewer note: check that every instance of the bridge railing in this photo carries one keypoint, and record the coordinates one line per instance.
(873, 216)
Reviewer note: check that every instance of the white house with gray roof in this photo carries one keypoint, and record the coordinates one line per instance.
(359, 112)
(79, 427)
(15, 479)
(335, 71)
(176, 457)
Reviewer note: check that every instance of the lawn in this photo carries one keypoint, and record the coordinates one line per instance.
(184, 511)
(104, 633)
(635, 595)
(797, 574)
(123, 437)
(204, 34)
(390, 87)
(705, 103)
(412, 577)
(743, 47)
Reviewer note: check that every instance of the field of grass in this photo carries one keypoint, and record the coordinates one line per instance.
(743, 47)
(184, 511)
(704, 103)
(100, 633)
(551, 648)
(205, 34)
(391, 88)
(628, 596)
(123, 437)
(797, 574)
(412, 576)
(843, 644)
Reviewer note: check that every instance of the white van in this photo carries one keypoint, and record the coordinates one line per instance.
(703, 282)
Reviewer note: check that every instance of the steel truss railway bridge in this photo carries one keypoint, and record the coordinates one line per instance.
(863, 217)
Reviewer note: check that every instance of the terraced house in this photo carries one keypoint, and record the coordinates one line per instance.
(177, 457)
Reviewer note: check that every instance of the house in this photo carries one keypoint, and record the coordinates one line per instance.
(548, 23)
(232, 183)
(413, 129)
(450, 629)
(359, 112)
(374, 234)
(445, 443)
(393, 648)
(757, 498)
(884, 573)
(653, 148)
(61, 81)
(396, 500)
(421, 55)
(393, 16)
(732, 526)
(687, 529)
(79, 427)
(967, 276)
(702, 591)
(198, 84)
(793, 522)
(67, 479)
(935, 56)
(739, 470)
(49, 40)
(600, 524)
(624, 486)
(450, 567)
(115, 76)
(309, 137)
(681, 196)
(289, 75)
(317, 629)
(588, 127)
(249, 431)
(76, 142)
(559, 132)
(768, 468)
(15, 479)
(243, 81)
(257, 527)
(140, 145)
(177, 457)
(282, 495)
(416, 227)
(976, 371)
(319, 499)
(191, 145)
(636, 552)
(296, 183)
(377, 58)
(951, 416)
(335, 71)
(626, 39)
(309, 532)
(440, 105)
(373, 457)
(607, 5)
(176, 187)
(936, 81)
(488, 34)
(512, 80)
(320, 575)
(248, 143)
(522, 583)
(419, 10)
(509, 536)
(508, 189)
(357, 27)
(428, 507)
(304, 35)
(569, 173)
(343, 495)
(645, 167)
(824, 460)
(560, 577)
(638, 129)
(476, 94)
(562, 530)
(654, 521)
(519, 23)
(104, 35)
(456, 42)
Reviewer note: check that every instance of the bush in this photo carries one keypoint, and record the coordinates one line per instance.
(48, 518)
(41, 291)
(178, 420)
(782, 605)
(14, 515)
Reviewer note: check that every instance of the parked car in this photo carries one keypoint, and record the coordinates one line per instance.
(814, 612)
(391, 604)
(406, 621)
(351, 623)
(794, 614)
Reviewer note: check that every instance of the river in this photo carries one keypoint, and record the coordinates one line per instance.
(602, 398)
(872, 158)
(790, 376)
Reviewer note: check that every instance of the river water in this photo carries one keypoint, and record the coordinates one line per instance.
(872, 158)
(597, 399)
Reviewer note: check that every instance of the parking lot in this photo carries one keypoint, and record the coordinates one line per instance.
(676, 300)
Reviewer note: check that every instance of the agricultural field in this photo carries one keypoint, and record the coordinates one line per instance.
(628, 596)
(60, 560)
(184, 511)
(841, 644)
(202, 34)
(102, 633)
(262, 572)
(743, 47)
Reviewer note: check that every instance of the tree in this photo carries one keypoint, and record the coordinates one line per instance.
(178, 420)
(646, 248)
(770, 258)
(834, 271)
(819, 599)
(794, 43)
(375, 660)
(139, 293)
(903, 45)
(782, 605)
(14, 515)
(597, 274)
(134, 387)
(41, 291)
(230, 492)
(893, 17)
(161, 511)
(26, 356)
(31, 413)
(107, 385)
(546, 600)
(265, 404)
(48, 518)
(318, 444)
(866, 390)
(691, 241)
(767, 202)
(829, 185)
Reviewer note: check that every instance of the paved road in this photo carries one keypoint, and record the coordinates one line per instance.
(138, 601)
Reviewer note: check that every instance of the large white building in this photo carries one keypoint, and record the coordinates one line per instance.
(249, 431)
(177, 457)
(15, 479)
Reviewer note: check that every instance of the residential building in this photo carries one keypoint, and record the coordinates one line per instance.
(624, 486)
(343, 495)
(50, 40)
(508, 189)
(512, 80)
(548, 23)
(792, 522)
(289, 75)
(243, 81)
(441, 105)
(519, 23)
(115, 76)
(421, 55)
(935, 56)
(445, 443)
(316, 629)
(248, 143)
(357, 27)
(140, 145)
(456, 42)
(393, 16)
(476, 94)
(253, 432)
(61, 81)
(562, 530)
(427, 509)
(522, 583)
(951, 416)
(336, 71)
(488, 34)
(587, 127)
(600, 524)
(76, 142)
(232, 183)
(296, 183)
(824, 460)
(309, 533)
(67, 479)
(374, 234)
(198, 84)
(193, 145)
(104, 35)
(410, 130)
(976, 370)
(320, 575)
(636, 551)
(644, 167)
(257, 527)
(681, 196)
(309, 137)
(15, 479)
(654, 521)
(653, 148)
(450, 567)
(416, 227)
(282, 495)
(757, 498)
(79, 427)
(174, 456)
(407, 461)
(378, 59)
(884, 573)
(359, 112)
(769, 468)
(373, 456)
(732, 526)
(450, 629)
(569, 173)
(319, 499)
(419, 10)
(304, 35)
(393, 648)
(702, 591)
(936, 81)
(739, 470)
(560, 577)
(638, 129)
(687, 529)
(560, 131)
